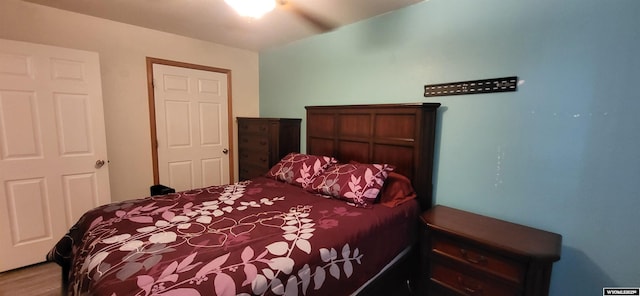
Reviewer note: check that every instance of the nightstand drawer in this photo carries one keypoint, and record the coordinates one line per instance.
(460, 283)
(479, 258)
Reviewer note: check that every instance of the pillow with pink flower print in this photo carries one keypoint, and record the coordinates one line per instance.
(299, 169)
(356, 183)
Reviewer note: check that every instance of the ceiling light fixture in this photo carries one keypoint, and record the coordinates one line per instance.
(252, 8)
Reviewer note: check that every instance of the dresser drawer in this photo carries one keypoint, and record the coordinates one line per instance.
(479, 258)
(253, 126)
(254, 142)
(248, 172)
(255, 159)
(457, 282)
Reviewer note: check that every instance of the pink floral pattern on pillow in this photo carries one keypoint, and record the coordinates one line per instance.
(299, 169)
(356, 183)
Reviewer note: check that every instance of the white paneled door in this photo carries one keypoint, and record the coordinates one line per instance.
(191, 110)
(52, 147)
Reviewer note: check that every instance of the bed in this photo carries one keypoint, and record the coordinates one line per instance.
(327, 222)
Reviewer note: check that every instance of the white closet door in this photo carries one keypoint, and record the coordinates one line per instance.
(191, 127)
(52, 145)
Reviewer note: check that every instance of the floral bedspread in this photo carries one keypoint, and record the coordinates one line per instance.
(258, 237)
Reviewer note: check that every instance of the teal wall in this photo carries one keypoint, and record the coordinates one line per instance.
(562, 153)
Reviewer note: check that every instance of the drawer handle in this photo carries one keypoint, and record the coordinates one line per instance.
(475, 290)
(478, 260)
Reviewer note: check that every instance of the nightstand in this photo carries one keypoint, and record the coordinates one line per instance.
(464, 253)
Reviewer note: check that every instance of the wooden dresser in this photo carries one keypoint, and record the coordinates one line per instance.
(262, 142)
(469, 254)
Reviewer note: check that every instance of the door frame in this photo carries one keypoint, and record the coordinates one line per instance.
(152, 110)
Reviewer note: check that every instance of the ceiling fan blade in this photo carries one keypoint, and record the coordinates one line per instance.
(319, 23)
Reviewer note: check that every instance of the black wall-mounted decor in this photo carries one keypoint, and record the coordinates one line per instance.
(503, 84)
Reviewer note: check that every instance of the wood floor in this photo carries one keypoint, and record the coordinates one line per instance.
(37, 280)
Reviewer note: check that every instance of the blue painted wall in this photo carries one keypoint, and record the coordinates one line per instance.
(562, 153)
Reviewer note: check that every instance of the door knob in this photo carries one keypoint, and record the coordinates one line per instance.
(99, 163)
(225, 151)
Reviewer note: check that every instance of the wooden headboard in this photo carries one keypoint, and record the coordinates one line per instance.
(402, 135)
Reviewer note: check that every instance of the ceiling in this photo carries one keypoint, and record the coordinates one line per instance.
(215, 21)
